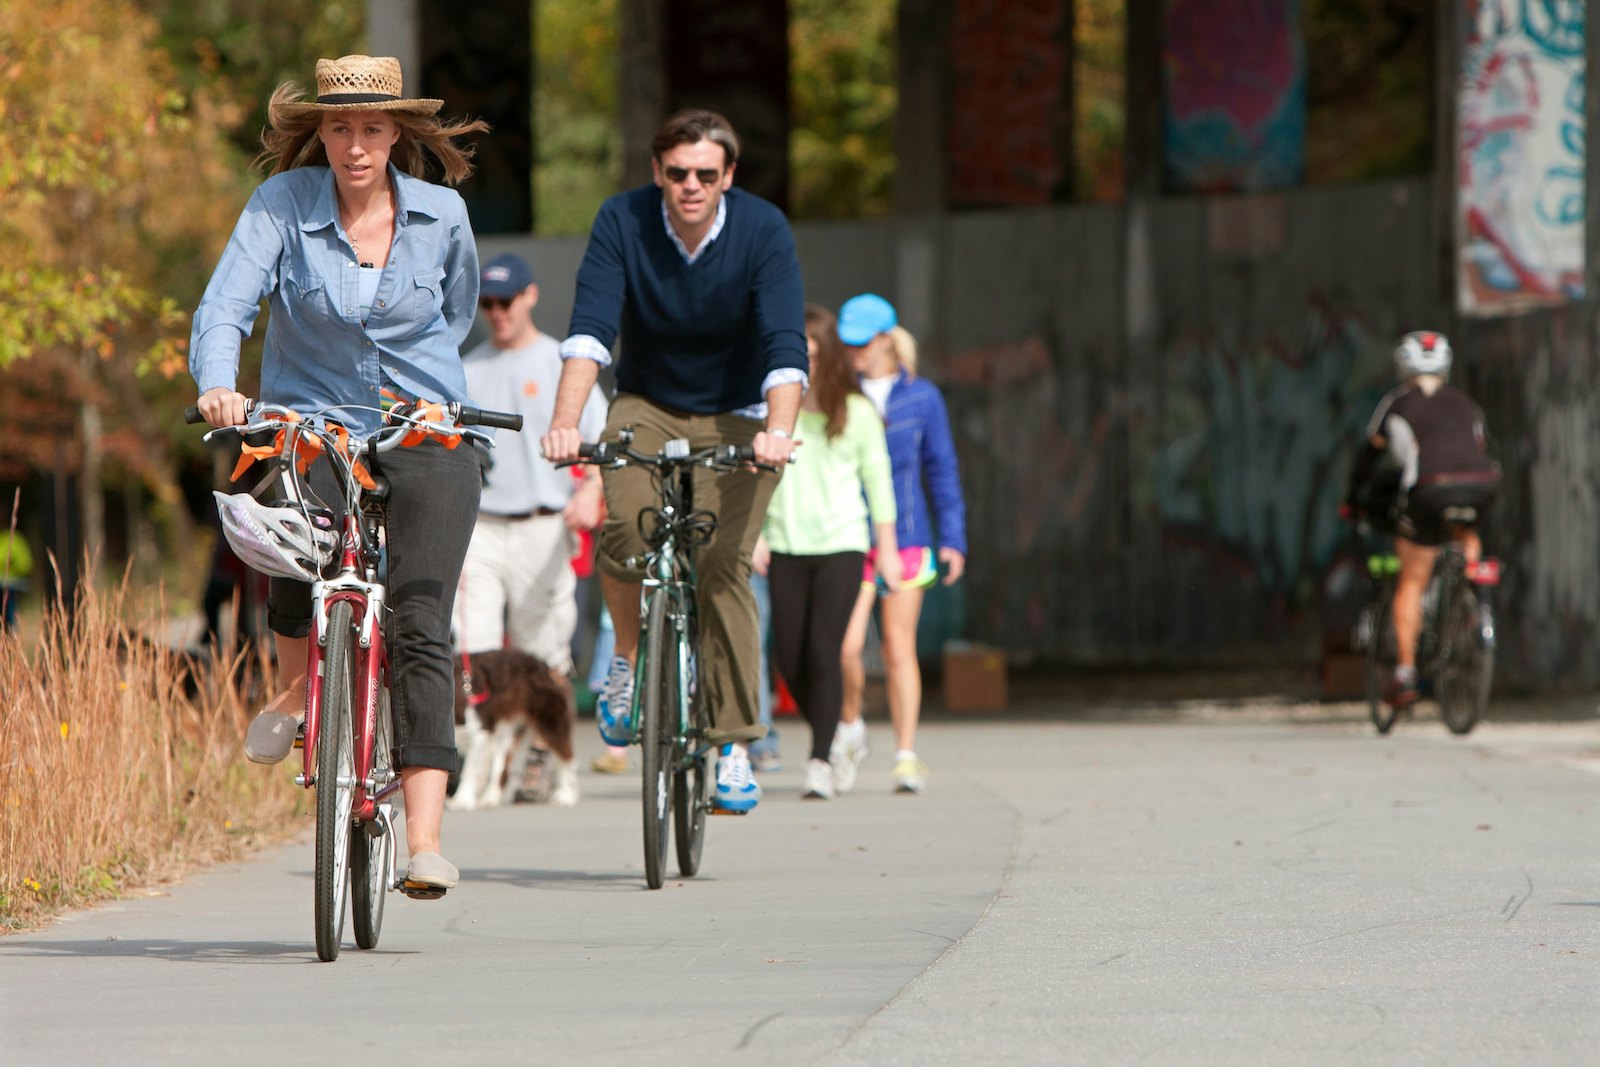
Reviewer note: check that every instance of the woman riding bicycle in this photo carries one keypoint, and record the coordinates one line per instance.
(1425, 456)
(372, 278)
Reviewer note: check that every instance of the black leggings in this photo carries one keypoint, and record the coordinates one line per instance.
(812, 598)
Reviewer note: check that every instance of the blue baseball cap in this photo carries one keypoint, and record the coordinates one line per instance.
(864, 317)
(504, 276)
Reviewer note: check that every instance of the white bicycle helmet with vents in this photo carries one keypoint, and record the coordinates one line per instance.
(1422, 352)
(276, 540)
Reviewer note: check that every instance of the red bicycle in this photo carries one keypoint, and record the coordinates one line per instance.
(348, 728)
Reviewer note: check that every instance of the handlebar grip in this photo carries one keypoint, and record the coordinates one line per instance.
(747, 454)
(504, 420)
(191, 414)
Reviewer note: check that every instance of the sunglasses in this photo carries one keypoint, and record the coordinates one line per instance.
(679, 175)
(488, 303)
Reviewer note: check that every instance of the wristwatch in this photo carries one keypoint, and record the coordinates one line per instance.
(779, 433)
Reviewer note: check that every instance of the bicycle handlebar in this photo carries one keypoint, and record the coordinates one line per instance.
(724, 457)
(386, 438)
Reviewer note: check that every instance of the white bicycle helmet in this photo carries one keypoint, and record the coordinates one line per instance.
(279, 541)
(1422, 352)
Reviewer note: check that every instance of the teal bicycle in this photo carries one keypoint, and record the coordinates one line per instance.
(669, 714)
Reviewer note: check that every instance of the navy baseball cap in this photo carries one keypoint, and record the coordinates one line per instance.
(864, 317)
(505, 276)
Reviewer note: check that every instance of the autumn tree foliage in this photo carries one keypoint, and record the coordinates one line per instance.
(118, 188)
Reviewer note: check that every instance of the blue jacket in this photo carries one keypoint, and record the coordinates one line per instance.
(288, 246)
(703, 336)
(921, 450)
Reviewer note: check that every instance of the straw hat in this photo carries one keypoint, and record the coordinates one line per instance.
(360, 83)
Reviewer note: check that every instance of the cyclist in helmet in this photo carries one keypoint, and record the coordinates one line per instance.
(1425, 455)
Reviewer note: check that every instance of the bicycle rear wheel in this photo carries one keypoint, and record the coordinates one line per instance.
(372, 858)
(1381, 658)
(658, 704)
(1465, 677)
(335, 784)
(689, 783)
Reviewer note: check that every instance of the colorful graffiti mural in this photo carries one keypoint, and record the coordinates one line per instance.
(1253, 445)
(1522, 143)
(1198, 516)
(1235, 100)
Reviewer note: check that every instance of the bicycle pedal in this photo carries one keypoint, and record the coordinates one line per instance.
(724, 811)
(420, 890)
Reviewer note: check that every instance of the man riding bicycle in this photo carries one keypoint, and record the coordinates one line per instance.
(702, 282)
(1424, 469)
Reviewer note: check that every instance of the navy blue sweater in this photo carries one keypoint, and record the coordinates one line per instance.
(698, 337)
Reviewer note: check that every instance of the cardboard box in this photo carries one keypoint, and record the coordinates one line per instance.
(1343, 676)
(974, 678)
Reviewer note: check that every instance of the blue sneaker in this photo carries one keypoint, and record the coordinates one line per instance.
(737, 791)
(613, 712)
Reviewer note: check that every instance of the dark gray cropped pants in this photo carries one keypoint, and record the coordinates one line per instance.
(433, 505)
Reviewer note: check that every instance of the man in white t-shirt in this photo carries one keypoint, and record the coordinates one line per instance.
(517, 585)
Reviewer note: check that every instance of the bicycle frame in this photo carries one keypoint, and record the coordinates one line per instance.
(671, 574)
(356, 584)
(348, 611)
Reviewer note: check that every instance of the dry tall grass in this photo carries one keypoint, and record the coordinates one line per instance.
(110, 777)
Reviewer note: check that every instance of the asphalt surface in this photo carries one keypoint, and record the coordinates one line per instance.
(1256, 883)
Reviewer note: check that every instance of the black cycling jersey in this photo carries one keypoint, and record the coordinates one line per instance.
(1435, 437)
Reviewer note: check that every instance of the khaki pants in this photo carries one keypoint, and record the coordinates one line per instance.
(517, 587)
(730, 632)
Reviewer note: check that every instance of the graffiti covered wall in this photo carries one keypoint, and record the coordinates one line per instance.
(1521, 170)
(1234, 104)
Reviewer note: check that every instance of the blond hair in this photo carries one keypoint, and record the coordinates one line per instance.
(905, 349)
(291, 140)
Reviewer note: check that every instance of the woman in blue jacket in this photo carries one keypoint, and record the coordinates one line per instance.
(922, 458)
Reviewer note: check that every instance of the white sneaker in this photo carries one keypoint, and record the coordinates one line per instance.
(737, 791)
(849, 748)
(910, 774)
(819, 781)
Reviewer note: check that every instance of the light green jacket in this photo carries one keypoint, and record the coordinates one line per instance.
(818, 508)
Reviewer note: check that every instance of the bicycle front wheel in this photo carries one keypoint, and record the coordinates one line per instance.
(690, 799)
(658, 705)
(336, 783)
(1465, 677)
(1381, 657)
(372, 858)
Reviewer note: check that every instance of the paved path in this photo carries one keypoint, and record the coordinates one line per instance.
(1212, 889)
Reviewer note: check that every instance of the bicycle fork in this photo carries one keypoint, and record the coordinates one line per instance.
(367, 601)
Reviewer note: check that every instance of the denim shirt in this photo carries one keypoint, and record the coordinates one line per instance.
(290, 247)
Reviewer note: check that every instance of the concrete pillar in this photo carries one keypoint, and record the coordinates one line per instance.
(922, 77)
(734, 58)
(478, 59)
(392, 31)
(642, 95)
(1448, 30)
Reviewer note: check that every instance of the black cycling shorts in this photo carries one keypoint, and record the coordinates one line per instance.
(1423, 519)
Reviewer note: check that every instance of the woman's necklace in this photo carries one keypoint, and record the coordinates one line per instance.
(351, 227)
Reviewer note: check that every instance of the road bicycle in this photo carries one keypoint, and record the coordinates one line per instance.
(348, 731)
(1455, 650)
(668, 715)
